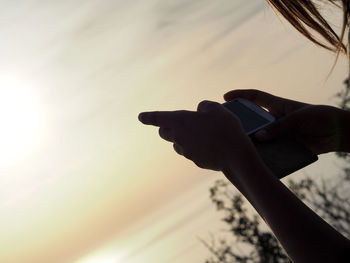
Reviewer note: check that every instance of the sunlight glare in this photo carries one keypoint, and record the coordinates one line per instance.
(21, 118)
(105, 257)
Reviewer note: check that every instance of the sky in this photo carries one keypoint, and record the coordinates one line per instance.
(81, 180)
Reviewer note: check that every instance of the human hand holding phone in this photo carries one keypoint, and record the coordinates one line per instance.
(282, 155)
(318, 127)
(212, 137)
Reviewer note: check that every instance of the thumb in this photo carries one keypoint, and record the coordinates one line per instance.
(277, 128)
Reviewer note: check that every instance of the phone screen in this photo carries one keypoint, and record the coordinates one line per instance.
(250, 120)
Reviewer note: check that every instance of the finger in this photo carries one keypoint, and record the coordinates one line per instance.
(198, 164)
(261, 98)
(207, 105)
(167, 134)
(162, 118)
(178, 149)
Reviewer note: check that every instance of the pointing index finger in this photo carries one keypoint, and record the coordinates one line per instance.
(161, 118)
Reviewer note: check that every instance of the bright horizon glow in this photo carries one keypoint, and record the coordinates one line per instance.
(22, 120)
(105, 257)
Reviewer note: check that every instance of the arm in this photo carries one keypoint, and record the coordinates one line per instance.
(344, 131)
(213, 138)
(302, 233)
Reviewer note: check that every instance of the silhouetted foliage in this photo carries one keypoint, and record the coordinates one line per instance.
(344, 97)
(249, 240)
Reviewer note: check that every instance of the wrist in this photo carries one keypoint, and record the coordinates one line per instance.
(246, 169)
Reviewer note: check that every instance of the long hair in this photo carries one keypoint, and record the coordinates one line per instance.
(304, 15)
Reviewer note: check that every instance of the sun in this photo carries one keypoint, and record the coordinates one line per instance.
(21, 120)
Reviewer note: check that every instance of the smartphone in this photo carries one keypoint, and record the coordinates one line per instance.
(253, 117)
(282, 155)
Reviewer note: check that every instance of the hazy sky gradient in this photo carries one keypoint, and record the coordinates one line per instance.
(101, 187)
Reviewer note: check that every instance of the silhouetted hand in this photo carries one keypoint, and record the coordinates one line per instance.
(316, 126)
(211, 136)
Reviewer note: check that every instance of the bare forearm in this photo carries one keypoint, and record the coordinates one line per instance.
(302, 233)
(344, 131)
